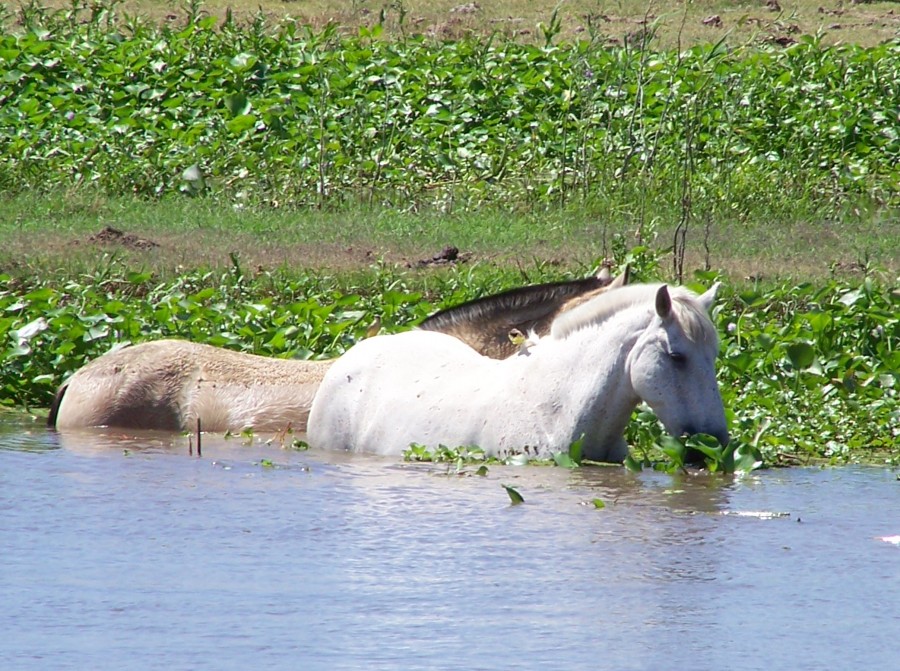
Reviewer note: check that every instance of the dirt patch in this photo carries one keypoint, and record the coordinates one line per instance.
(113, 236)
(448, 255)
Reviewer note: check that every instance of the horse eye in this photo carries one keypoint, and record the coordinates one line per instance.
(677, 358)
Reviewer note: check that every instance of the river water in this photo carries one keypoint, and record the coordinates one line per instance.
(127, 553)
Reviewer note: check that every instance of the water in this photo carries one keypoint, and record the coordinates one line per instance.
(123, 553)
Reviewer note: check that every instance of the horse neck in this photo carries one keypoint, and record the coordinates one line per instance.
(603, 308)
(588, 368)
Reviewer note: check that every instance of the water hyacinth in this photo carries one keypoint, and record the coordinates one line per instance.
(289, 115)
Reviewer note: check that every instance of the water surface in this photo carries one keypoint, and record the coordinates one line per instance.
(122, 552)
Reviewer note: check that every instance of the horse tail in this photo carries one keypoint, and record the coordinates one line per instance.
(54, 407)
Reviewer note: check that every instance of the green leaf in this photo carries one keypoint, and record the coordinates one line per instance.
(707, 445)
(96, 332)
(31, 329)
(576, 449)
(633, 465)
(514, 496)
(138, 278)
(243, 61)
(563, 460)
(237, 104)
(241, 123)
(851, 297)
(747, 458)
(674, 448)
(598, 503)
(517, 460)
(801, 355)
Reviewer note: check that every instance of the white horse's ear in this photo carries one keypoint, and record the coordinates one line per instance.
(604, 275)
(663, 302)
(621, 280)
(708, 298)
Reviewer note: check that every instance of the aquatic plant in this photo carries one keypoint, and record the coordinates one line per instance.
(515, 498)
(282, 114)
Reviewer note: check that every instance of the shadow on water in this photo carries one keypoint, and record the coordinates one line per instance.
(123, 551)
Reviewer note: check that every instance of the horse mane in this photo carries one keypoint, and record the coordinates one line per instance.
(692, 317)
(524, 303)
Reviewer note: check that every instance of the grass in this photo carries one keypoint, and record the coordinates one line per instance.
(43, 234)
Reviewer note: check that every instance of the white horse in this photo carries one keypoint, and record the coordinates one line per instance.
(648, 343)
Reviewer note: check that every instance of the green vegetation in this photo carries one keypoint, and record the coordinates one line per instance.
(286, 116)
(236, 145)
(271, 133)
(514, 497)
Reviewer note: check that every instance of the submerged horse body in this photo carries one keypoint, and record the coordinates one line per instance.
(171, 384)
(600, 359)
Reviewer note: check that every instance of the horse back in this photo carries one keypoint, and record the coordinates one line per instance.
(485, 323)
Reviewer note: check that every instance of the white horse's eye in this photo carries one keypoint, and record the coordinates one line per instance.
(677, 358)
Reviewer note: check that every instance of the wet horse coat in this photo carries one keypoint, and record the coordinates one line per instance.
(639, 343)
(170, 384)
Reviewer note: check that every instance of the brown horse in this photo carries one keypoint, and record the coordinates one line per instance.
(174, 384)
(171, 384)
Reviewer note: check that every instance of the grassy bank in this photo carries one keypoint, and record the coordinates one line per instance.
(614, 22)
(61, 234)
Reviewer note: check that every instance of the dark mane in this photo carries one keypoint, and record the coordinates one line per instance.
(485, 323)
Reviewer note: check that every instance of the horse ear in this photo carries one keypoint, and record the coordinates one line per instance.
(708, 298)
(663, 302)
(604, 275)
(622, 279)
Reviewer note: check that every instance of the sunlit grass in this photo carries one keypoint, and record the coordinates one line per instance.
(52, 234)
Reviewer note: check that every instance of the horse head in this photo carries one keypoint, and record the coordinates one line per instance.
(672, 365)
